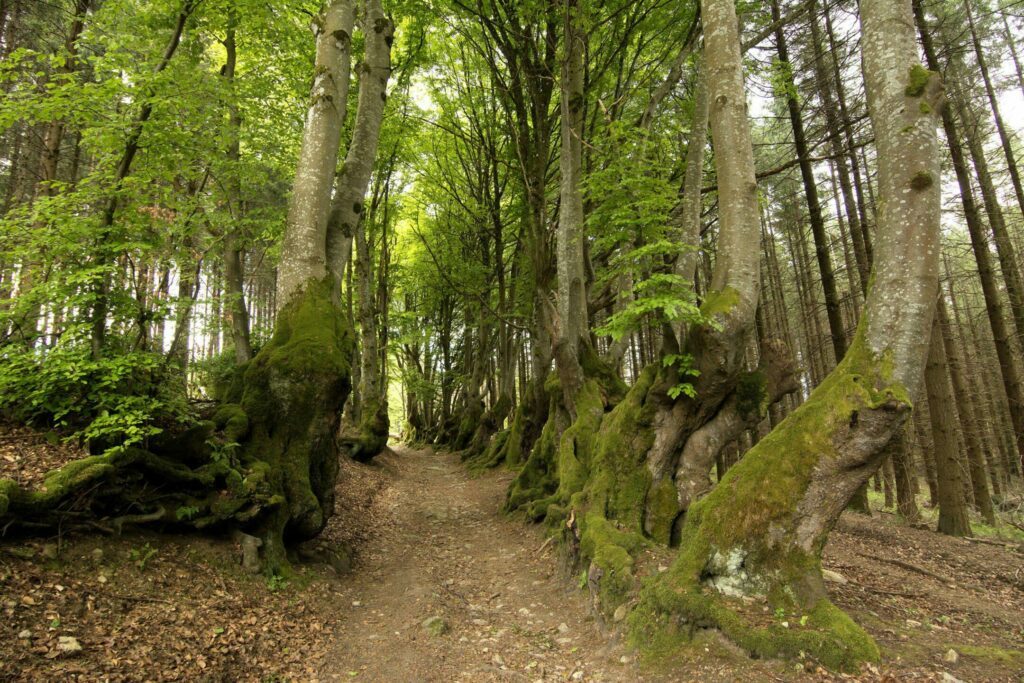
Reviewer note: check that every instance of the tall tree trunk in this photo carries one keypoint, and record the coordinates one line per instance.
(234, 270)
(993, 101)
(825, 83)
(302, 257)
(572, 324)
(851, 147)
(964, 403)
(822, 249)
(687, 214)
(352, 181)
(952, 507)
(1011, 43)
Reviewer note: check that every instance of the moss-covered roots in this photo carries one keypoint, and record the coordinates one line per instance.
(754, 540)
(747, 538)
(369, 437)
(267, 462)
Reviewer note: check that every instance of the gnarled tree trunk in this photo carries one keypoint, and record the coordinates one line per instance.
(762, 529)
(267, 461)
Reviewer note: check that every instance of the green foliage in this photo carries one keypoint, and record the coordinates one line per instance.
(635, 233)
(684, 365)
(140, 557)
(918, 79)
(116, 400)
(781, 78)
(276, 582)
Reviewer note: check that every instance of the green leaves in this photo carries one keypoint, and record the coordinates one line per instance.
(117, 400)
(683, 362)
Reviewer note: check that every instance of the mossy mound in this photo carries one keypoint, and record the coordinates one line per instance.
(370, 436)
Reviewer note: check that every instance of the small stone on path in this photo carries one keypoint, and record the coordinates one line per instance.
(435, 626)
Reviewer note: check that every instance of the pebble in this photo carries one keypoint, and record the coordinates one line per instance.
(68, 645)
(834, 577)
(25, 635)
(951, 656)
(563, 628)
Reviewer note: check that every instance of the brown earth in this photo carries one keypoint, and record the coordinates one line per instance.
(429, 541)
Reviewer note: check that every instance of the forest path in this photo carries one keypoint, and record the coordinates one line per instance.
(512, 613)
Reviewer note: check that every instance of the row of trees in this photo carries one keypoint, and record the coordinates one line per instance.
(692, 321)
(815, 157)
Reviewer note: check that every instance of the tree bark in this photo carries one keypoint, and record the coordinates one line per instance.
(234, 270)
(952, 507)
(352, 181)
(572, 325)
(304, 250)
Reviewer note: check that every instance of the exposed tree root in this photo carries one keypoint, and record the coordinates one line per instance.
(265, 463)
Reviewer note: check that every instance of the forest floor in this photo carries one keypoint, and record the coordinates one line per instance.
(445, 588)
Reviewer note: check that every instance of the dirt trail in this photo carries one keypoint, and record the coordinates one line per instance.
(511, 614)
(430, 541)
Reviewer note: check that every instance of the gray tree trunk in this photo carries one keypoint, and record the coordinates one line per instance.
(352, 181)
(304, 249)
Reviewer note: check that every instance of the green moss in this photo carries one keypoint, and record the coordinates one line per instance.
(666, 617)
(595, 368)
(741, 507)
(294, 391)
(537, 477)
(611, 550)
(662, 508)
(918, 79)
(7, 490)
(232, 420)
(989, 653)
(620, 480)
(922, 181)
(925, 108)
(719, 303)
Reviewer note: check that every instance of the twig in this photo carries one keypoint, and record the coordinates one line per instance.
(905, 565)
(999, 544)
(880, 591)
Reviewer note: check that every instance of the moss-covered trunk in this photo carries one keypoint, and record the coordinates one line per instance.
(266, 463)
(293, 394)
